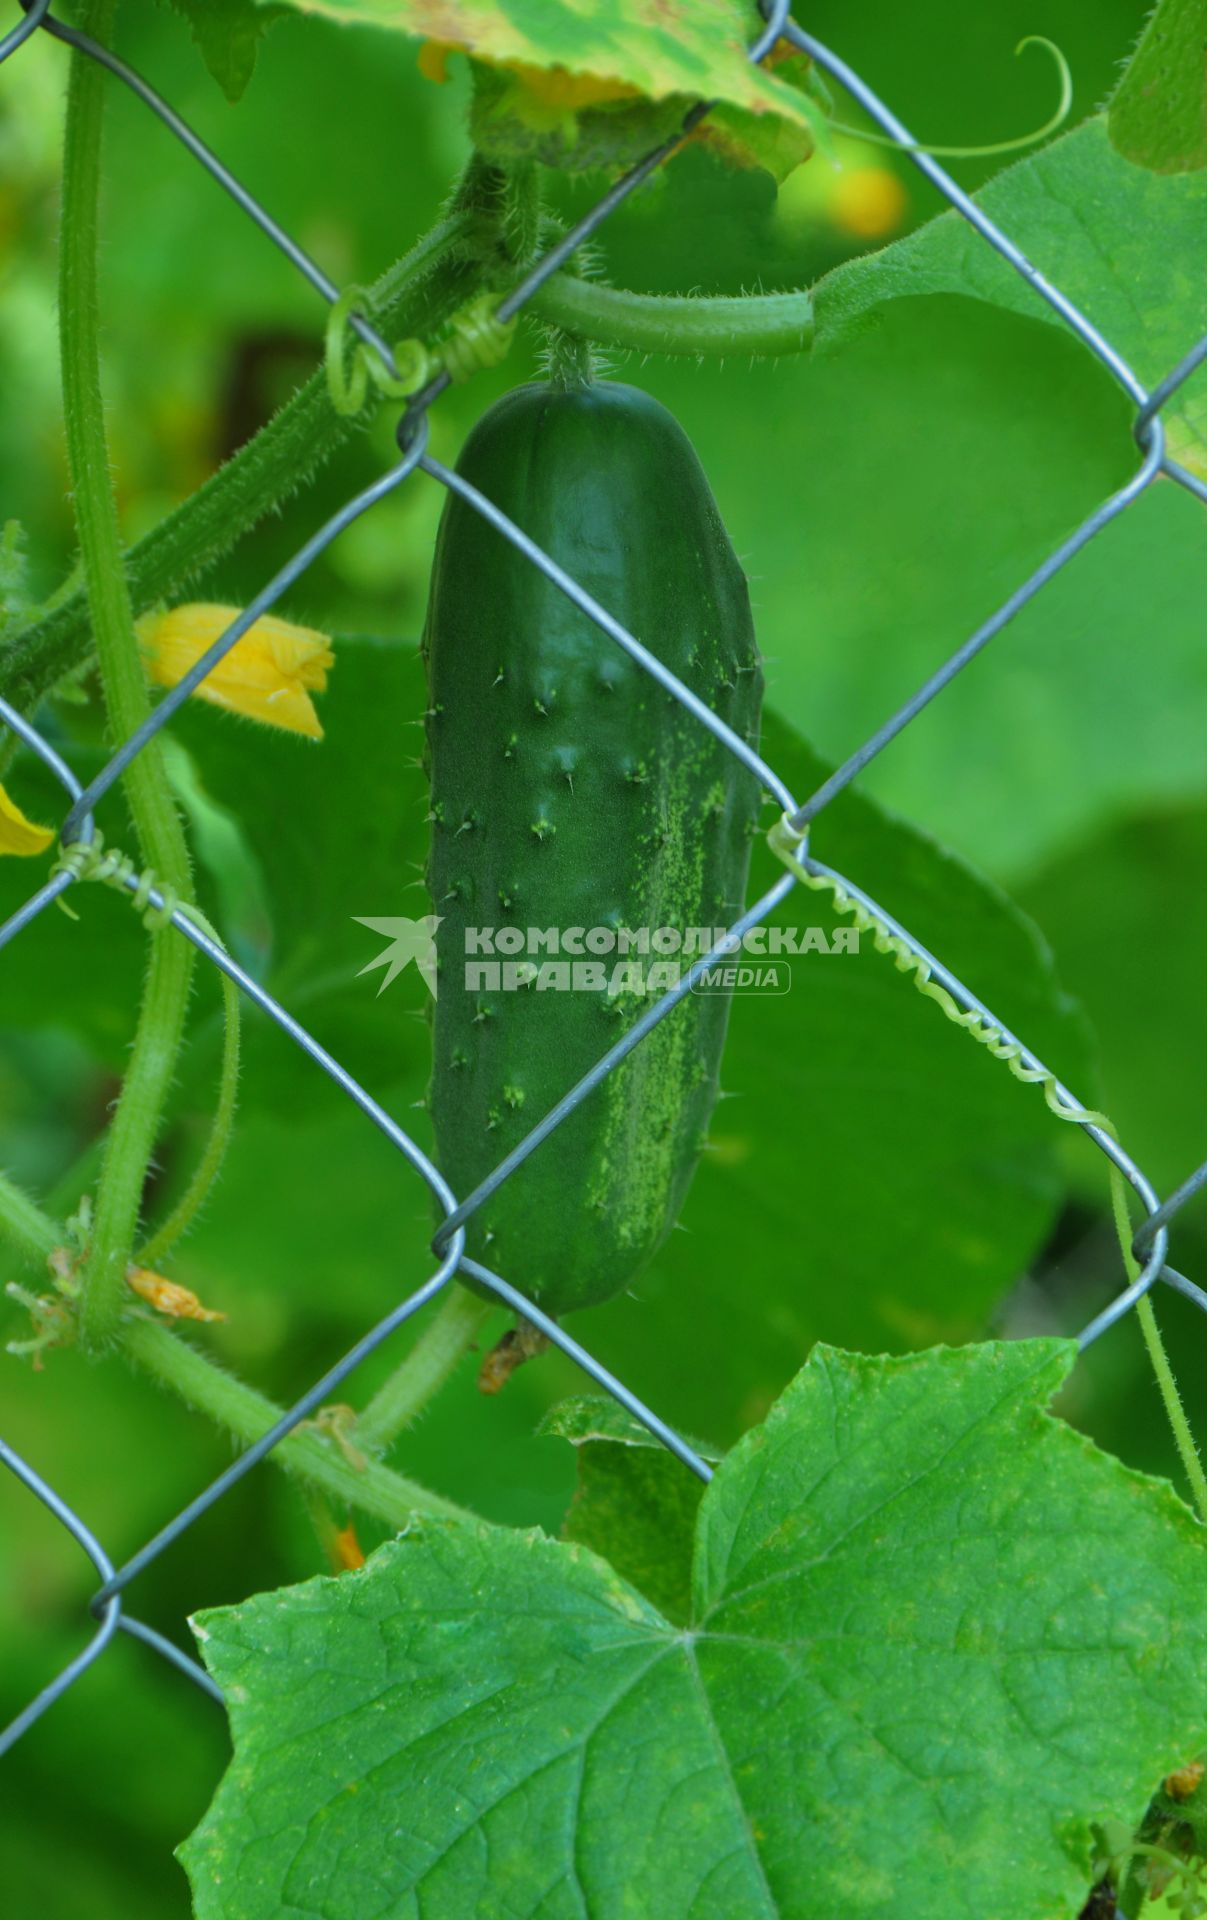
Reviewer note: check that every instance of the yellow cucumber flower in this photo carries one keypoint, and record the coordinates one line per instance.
(269, 674)
(17, 834)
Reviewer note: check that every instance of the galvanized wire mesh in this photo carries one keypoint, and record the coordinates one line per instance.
(1150, 1244)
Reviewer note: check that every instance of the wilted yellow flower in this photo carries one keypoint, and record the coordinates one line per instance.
(167, 1296)
(268, 675)
(17, 834)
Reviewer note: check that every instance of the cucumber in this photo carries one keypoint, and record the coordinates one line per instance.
(570, 791)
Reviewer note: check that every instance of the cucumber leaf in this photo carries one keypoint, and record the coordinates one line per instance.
(936, 1637)
(1124, 243)
(228, 34)
(582, 87)
(1158, 117)
(635, 1504)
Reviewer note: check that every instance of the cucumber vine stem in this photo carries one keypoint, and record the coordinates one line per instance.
(217, 1141)
(488, 221)
(230, 1403)
(1175, 1412)
(24, 1226)
(161, 1017)
(448, 1335)
(156, 1350)
(1167, 1385)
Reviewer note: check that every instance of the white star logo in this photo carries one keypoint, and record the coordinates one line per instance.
(409, 940)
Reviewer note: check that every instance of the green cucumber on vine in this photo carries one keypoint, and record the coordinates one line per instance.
(571, 791)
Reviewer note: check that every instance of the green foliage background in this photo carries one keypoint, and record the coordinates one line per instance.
(883, 501)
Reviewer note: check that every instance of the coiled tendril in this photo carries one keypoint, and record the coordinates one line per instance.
(92, 860)
(476, 338)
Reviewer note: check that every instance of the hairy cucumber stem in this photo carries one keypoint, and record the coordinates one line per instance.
(315, 1459)
(568, 360)
(487, 226)
(1167, 1385)
(153, 1348)
(1171, 1399)
(209, 1166)
(24, 1226)
(399, 1402)
(760, 324)
(161, 1019)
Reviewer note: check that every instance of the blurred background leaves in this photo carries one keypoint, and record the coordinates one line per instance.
(884, 501)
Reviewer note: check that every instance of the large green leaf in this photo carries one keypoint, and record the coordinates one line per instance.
(1159, 114)
(935, 1636)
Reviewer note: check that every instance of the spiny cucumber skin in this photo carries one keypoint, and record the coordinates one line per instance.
(569, 790)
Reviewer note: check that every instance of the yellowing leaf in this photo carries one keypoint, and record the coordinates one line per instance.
(268, 675)
(588, 85)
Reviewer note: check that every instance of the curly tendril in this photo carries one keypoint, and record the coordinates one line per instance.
(1051, 125)
(92, 860)
(475, 339)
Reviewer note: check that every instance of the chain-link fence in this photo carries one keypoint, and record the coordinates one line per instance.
(1150, 1244)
